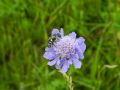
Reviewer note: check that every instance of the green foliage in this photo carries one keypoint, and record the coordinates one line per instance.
(25, 26)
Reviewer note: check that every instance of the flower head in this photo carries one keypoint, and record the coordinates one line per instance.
(65, 50)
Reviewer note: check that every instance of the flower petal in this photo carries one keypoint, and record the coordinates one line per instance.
(59, 64)
(62, 32)
(80, 47)
(77, 63)
(49, 55)
(51, 63)
(65, 67)
(70, 61)
(83, 47)
(49, 49)
(55, 31)
(80, 40)
(81, 43)
(79, 52)
(72, 35)
(81, 55)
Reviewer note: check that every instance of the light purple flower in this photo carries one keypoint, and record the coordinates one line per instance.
(65, 50)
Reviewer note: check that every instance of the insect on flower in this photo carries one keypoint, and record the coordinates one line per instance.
(62, 51)
(53, 39)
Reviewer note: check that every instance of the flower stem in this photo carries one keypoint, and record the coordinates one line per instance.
(69, 81)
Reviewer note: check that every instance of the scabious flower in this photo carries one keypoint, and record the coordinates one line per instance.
(65, 50)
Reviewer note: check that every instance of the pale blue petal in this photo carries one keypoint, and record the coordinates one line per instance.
(81, 43)
(70, 61)
(49, 55)
(62, 32)
(76, 62)
(49, 49)
(83, 47)
(65, 67)
(79, 52)
(80, 40)
(72, 35)
(59, 65)
(51, 63)
(81, 55)
(55, 31)
(80, 47)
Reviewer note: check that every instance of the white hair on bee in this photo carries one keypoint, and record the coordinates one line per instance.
(54, 38)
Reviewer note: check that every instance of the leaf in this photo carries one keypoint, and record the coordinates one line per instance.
(111, 66)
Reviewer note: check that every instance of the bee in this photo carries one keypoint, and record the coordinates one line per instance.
(54, 38)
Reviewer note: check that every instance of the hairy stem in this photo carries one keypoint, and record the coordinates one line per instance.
(69, 81)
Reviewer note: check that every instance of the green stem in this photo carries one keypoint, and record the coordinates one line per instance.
(69, 81)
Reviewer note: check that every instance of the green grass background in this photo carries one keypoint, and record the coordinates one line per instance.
(25, 26)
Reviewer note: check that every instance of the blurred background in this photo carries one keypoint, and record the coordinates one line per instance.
(25, 26)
